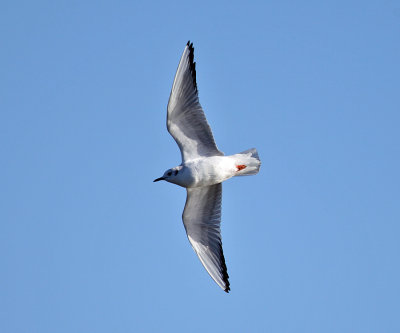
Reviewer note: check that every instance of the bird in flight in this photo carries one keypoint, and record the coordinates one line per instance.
(203, 169)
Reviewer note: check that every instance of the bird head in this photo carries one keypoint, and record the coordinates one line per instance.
(170, 175)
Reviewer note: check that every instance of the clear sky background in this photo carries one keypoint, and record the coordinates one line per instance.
(88, 243)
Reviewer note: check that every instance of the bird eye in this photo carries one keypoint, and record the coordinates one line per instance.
(169, 173)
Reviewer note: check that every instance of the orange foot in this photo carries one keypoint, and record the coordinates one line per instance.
(241, 167)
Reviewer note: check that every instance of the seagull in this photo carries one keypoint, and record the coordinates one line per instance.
(203, 169)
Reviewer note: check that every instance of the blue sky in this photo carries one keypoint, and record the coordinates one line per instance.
(89, 244)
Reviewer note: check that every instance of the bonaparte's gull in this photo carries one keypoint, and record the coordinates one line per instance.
(203, 169)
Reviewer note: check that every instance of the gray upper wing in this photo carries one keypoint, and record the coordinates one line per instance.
(202, 219)
(186, 121)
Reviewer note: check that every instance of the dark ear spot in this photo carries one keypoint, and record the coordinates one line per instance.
(176, 172)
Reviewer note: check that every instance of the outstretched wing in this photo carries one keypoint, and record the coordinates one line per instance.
(186, 121)
(202, 219)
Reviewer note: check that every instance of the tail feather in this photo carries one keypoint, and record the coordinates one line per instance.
(250, 159)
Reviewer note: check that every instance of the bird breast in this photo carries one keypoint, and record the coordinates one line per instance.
(207, 171)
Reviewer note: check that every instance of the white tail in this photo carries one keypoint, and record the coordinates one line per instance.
(250, 160)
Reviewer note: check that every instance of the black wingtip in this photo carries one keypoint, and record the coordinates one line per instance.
(225, 276)
(192, 64)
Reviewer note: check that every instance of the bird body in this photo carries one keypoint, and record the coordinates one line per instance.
(203, 169)
(212, 170)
